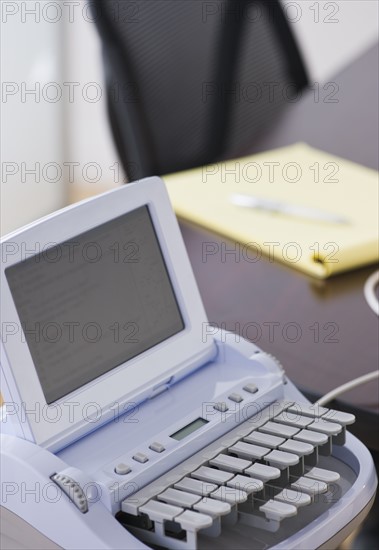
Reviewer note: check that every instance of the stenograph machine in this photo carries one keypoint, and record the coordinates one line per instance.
(129, 422)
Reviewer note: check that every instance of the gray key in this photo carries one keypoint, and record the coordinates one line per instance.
(193, 521)
(263, 472)
(265, 440)
(280, 459)
(246, 483)
(292, 419)
(296, 498)
(212, 475)
(132, 504)
(320, 474)
(340, 417)
(179, 498)
(230, 495)
(159, 511)
(311, 437)
(297, 447)
(324, 427)
(212, 507)
(195, 486)
(247, 450)
(277, 511)
(310, 486)
(230, 463)
(281, 430)
(308, 409)
(207, 453)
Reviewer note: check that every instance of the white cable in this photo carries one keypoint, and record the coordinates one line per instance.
(369, 292)
(372, 300)
(348, 386)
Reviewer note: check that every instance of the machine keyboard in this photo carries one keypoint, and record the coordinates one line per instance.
(262, 475)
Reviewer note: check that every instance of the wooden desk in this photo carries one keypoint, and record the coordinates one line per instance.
(339, 332)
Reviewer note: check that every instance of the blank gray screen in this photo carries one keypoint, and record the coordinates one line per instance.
(91, 303)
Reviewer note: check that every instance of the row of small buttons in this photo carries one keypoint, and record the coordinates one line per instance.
(123, 469)
(236, 397)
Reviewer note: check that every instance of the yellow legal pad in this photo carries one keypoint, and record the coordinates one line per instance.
(298, 175)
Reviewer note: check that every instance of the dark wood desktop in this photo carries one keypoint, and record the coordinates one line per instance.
(268, 302)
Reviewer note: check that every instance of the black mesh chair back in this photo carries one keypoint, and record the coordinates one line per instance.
(191, 82)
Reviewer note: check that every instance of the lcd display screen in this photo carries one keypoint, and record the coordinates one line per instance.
(189, 429)
(90, 304)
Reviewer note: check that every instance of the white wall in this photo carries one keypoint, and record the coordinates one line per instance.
(332, 34)
(32, 136)
(75, 129)
(89, 139)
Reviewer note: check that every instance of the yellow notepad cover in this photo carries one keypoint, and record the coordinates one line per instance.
(299, 175)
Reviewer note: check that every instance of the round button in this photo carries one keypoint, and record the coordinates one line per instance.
(122, 469)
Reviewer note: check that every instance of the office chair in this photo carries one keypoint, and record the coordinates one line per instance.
(190, 82)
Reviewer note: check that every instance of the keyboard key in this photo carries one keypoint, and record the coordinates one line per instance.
(157, 447)
(247, 450)
(132, 504)
(179, 498)
(221, 407)
(297, 447)
(311, 437)
(250, 388)
(212, 475)
(230, 463)
(277, 511)
(263, 472)
(292, 419)
(281, 430)
(193, 521)
(281, 459)
(320, 474)
(296, 498)
(159, 511)
(228, 441)
(266, 440)
(310, 486)
(212, 507)
(308, 409)
(328, 428)
(236, 397)
(247, 428)
(212, 452)
(246, 483)
(140, 457)
(340, 417)
(230, 495)
(195, 486)
(122, 469)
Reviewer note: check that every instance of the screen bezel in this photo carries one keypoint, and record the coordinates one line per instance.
(110, 266)
(57, 424)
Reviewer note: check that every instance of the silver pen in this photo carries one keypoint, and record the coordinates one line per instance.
(270, 205)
